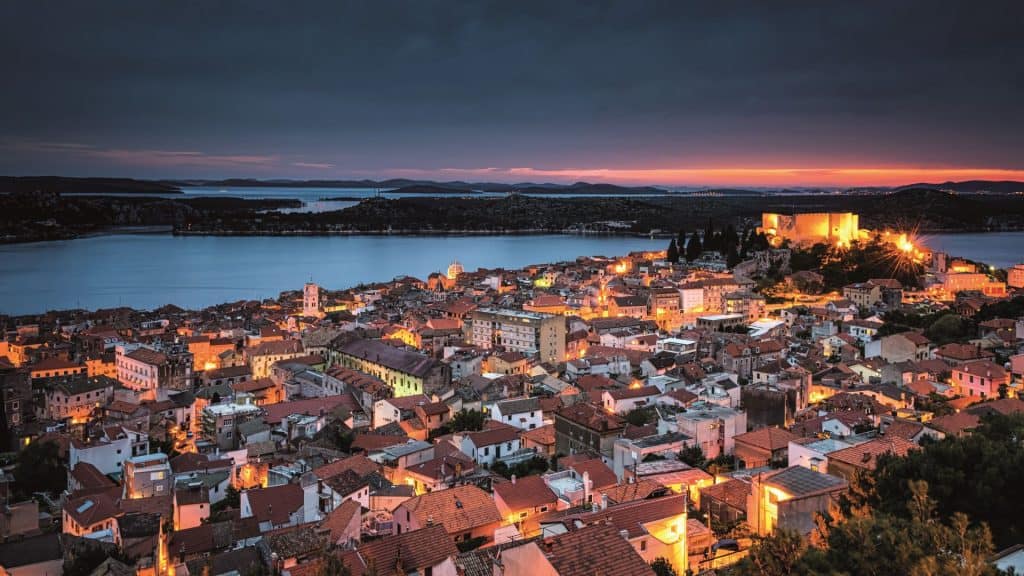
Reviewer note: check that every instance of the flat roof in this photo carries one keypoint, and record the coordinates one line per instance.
(515, 313)
(714, 317)
(228, 409)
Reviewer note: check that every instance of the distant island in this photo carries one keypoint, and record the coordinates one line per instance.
(49, 208)
(68, 185)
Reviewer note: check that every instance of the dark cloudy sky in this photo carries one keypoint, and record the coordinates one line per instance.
(663, 92)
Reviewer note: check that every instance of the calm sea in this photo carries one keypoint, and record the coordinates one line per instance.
(150, 270)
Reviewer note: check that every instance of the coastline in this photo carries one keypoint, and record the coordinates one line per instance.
(420, 232)
(171, 231)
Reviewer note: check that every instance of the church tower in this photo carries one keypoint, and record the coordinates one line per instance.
(311, 300)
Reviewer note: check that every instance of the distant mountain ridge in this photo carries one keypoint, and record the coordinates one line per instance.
(973, 186)
(113, 185)
(70, 185)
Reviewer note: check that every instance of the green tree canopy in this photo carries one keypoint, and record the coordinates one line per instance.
(40, 468)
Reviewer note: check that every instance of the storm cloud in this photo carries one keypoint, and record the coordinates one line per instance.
(436, 89)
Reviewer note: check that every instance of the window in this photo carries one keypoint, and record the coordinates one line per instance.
(643, 545)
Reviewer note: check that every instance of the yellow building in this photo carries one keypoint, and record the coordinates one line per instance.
(838, 228)
(406, 373)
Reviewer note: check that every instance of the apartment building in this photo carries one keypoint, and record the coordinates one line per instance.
(527, 332)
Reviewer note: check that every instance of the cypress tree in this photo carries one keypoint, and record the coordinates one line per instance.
(693, 248)
(672, 254)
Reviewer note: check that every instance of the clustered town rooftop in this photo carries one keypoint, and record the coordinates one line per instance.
(499, 422)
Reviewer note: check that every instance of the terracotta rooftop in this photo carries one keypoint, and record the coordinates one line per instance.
(545, 435)
(524, 493)
(90, 477)
(622, 493)
(592, 551)
(600, 474)
(955, 424)
(275, 348)
(194, 462)
(866, 455)
(983, 369)
(275, 413)
(770, 439)
(494, 435)
(358, 463)
(276, 503)
(148, 356)
(592, 417)
(409, 552)
(731, 492)
(632, 516)
(458, 509)
(628, 393)
(905, 429)
(338, 519)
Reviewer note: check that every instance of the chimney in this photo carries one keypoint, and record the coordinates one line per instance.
(513, 479)
(624, 534)
(604, 501)
(586, 487)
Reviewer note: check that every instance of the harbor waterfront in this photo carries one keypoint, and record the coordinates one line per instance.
(150, 270)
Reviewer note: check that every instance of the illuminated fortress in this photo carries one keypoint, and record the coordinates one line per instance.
(839, 228)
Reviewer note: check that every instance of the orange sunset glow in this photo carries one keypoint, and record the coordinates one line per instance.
(753, 176)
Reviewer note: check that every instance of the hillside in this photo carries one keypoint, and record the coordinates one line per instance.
(65, 185)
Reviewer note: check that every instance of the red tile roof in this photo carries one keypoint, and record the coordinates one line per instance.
(631, 491)
(628, 393)
(497, 433)
(358, 463)
(594, 550)
(770, 439)
(525, 493)
(458, 509)
(276, 503)
(601, 476)
(866, 455)
(732, 492)
(955, 424)
(275, 413)
(412, 551)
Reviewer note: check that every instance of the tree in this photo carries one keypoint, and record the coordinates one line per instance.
(40, 468)
(467, 420)
(693, 456)
(730, 239)
(693, 248)
(332, 565)
(948, 328)
(662, 567)
(776, 555)
(732, 258)
(672, 254)
(709, 236)
(232, 499)
(639, 416)
(86, 555)
(963, 475)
